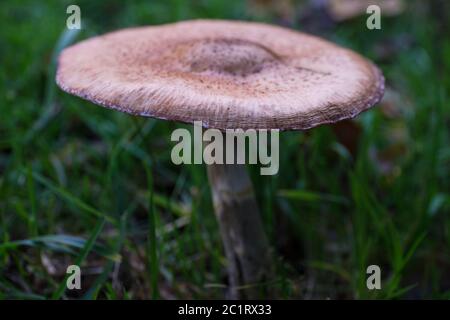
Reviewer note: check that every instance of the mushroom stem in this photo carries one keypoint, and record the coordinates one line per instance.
(245, 243)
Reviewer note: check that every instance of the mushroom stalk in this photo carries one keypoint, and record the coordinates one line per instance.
(245, 243)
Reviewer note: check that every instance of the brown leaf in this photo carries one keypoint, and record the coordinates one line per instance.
(342, 10)
(282, 9)
(347, 133)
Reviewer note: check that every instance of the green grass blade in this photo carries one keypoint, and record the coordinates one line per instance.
(152, 248)
(309, 196)
(32, 198)
(70, 198)
(82, 256)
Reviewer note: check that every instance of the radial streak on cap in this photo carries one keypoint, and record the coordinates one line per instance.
(226, 74)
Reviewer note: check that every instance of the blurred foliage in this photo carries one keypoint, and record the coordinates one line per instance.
(79, 183)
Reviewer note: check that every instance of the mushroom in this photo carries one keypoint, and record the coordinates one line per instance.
(228, 75)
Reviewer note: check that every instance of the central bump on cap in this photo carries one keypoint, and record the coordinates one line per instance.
(227, 74)
(230, 56)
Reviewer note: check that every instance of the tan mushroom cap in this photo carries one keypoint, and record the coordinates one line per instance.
(226, 74)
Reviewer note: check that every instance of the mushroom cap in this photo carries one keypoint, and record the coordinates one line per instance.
(227, 74)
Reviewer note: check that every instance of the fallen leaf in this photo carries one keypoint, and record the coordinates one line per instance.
(348, 133)
(341, 10)
(282, 9)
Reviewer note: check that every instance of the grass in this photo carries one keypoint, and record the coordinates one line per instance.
(82, 184)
